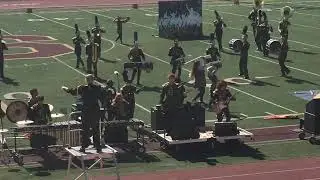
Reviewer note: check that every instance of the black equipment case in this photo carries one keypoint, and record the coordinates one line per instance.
(226, 129)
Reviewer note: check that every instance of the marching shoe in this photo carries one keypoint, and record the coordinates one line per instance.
(240, 74)
(83, 149)
(99, 150)
(246, 77)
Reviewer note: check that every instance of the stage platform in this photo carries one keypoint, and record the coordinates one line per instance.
(91, 154)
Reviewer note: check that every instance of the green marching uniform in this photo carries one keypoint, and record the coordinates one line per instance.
(243, 63)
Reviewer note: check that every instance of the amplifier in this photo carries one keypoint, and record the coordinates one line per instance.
(199, 114)
(116, 134)
(312, 117)
(157, 121)
(38, 141)
(226, 129)
(183, 126)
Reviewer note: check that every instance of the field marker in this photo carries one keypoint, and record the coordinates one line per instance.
(264, 77)
(61, 19)
(35, 20)
(156, 58)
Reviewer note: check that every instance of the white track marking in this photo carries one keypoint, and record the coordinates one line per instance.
(194, 59)
(260, 173)
(269, 113)
(244, 115)
(264, 77)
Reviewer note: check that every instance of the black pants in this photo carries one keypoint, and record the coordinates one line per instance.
(79, 60)
(264, 39)
(119, 37)
(138, 75)
(95, 69)
(1, 68)
(168, 118)
(200, 94)
(243, 66)
(176, 66)
(283, 67)
(226, 113)
(99, 50)
(258, 39)
(90, 120)
(219, 39)
(131, 107)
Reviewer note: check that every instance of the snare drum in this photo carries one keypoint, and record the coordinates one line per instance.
(235, 45)
(273, 47)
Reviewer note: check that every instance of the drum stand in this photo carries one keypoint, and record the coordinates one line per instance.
(4, 146)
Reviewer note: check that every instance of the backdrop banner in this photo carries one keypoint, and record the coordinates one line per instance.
(180, 19)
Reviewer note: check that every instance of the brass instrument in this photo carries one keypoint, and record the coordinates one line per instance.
(95, 57)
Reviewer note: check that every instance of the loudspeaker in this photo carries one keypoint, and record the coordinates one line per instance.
(157, 121)
(116, 134)
(183, 126)
(223, 129)
(199, 114)
(312, 117)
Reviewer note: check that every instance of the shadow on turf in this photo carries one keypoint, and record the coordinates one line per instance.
(304, 52)
(294, 80)
(10, 81)
(201, 153)
(263, 83)
(108, 60)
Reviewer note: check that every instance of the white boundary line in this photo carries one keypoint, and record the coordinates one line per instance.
(261, 99)
(260, 173)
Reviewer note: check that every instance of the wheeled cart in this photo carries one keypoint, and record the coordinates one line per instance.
(313, 138)
(205, 137)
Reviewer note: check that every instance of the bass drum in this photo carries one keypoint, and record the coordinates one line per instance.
(17, 111)
(235, 45)
(273, 47)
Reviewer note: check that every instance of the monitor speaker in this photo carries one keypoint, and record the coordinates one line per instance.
(223, 129)
(312, 117)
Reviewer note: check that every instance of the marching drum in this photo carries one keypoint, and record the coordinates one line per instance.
(273, 47)
(17, 111)
(235, 45)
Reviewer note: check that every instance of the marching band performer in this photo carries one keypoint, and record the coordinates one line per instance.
(136, 55)
(128, 92)
(171, 99)
(243, 63)
(78, 41)
(3, 47)
(212, 76)
(199, 76)
(213, 52)
(219, 24)
(120, 20)
(41, 112)
(264, 30)
(283, 28)
(222, 97)
(119, 106)
(91, 95)
(283, 56)
(253, 17)
(92, 50)
(32, 101)
(110, 93)
(177, 54)
(97, 30)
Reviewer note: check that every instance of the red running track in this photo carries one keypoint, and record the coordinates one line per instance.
(296, 169)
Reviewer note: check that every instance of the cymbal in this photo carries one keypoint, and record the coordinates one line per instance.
(4, 130)
(57, 115)
(25, 122)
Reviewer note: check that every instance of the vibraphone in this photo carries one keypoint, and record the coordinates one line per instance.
(59, 130)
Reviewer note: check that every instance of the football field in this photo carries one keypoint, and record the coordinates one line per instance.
(41, 56)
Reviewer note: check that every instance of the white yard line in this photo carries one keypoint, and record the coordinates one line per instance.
(269, 113)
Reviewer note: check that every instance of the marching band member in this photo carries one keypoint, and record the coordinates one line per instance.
(283, 56)
(78, 41)
(3, 47)
(119, 106)
(219, 24)
(243, 63)
(253, 17)
(221, 97)
(171, 99)
(176, 53)
(128, 92)
(264, 29)
(136, 55)
(41, 112)
(32, 101)
(97, 30)
(120, 20)
(198, 74)
(92, 50)
(110, 93)
(91, 95)
(212, 76)
(213, 52)
(283, 28)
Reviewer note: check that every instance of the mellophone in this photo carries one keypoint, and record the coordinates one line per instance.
(235, 45)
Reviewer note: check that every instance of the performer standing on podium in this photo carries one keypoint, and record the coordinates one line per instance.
(91, 95)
